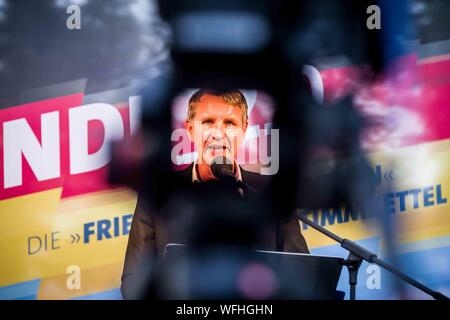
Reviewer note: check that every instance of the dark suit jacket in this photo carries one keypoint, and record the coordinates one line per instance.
(149, 234)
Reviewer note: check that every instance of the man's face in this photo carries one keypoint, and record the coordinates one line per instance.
(217, 129)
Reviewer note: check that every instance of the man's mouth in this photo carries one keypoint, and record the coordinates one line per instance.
(217, 148)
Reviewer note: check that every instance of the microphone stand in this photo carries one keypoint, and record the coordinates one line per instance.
(358, 254)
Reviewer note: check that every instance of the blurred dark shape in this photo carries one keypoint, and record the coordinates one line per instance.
(239, 44)
(432, 18)
(284, 25)
(321, 160)
(325, 142)
(221, 229)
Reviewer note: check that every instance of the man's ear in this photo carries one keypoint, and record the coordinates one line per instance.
(189, 128)
(245, 126)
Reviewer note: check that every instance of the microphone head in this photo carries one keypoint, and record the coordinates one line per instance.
(222, 167)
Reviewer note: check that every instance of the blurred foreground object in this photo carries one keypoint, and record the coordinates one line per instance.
(322, 163)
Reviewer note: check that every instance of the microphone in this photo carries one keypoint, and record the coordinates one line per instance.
(222, 169)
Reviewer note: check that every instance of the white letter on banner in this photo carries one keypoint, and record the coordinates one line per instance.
(43, 158)
(80, 160)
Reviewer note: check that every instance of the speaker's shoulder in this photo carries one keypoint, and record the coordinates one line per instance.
(185, 175)
(255, 180)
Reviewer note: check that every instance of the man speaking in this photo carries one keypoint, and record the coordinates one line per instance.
(216, 123)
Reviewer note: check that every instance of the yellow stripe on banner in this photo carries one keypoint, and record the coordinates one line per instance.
(352, 230)
(19, 215)
(413, 167)
(421, 225)
(96, 253)
(425, 224)
(38, 215)
(79, 203)
(20, 218)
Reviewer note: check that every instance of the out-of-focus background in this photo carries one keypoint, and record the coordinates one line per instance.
(81, 88)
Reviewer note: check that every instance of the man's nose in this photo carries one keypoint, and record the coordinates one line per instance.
(218, 133)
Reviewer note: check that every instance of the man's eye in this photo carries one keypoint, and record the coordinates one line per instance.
(230, 123)
(208, 121)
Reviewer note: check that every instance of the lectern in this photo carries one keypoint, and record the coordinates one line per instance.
(298, 276)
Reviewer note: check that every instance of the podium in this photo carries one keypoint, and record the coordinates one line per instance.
(298, 276)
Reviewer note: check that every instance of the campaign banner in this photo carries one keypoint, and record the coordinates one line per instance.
(64, 229)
